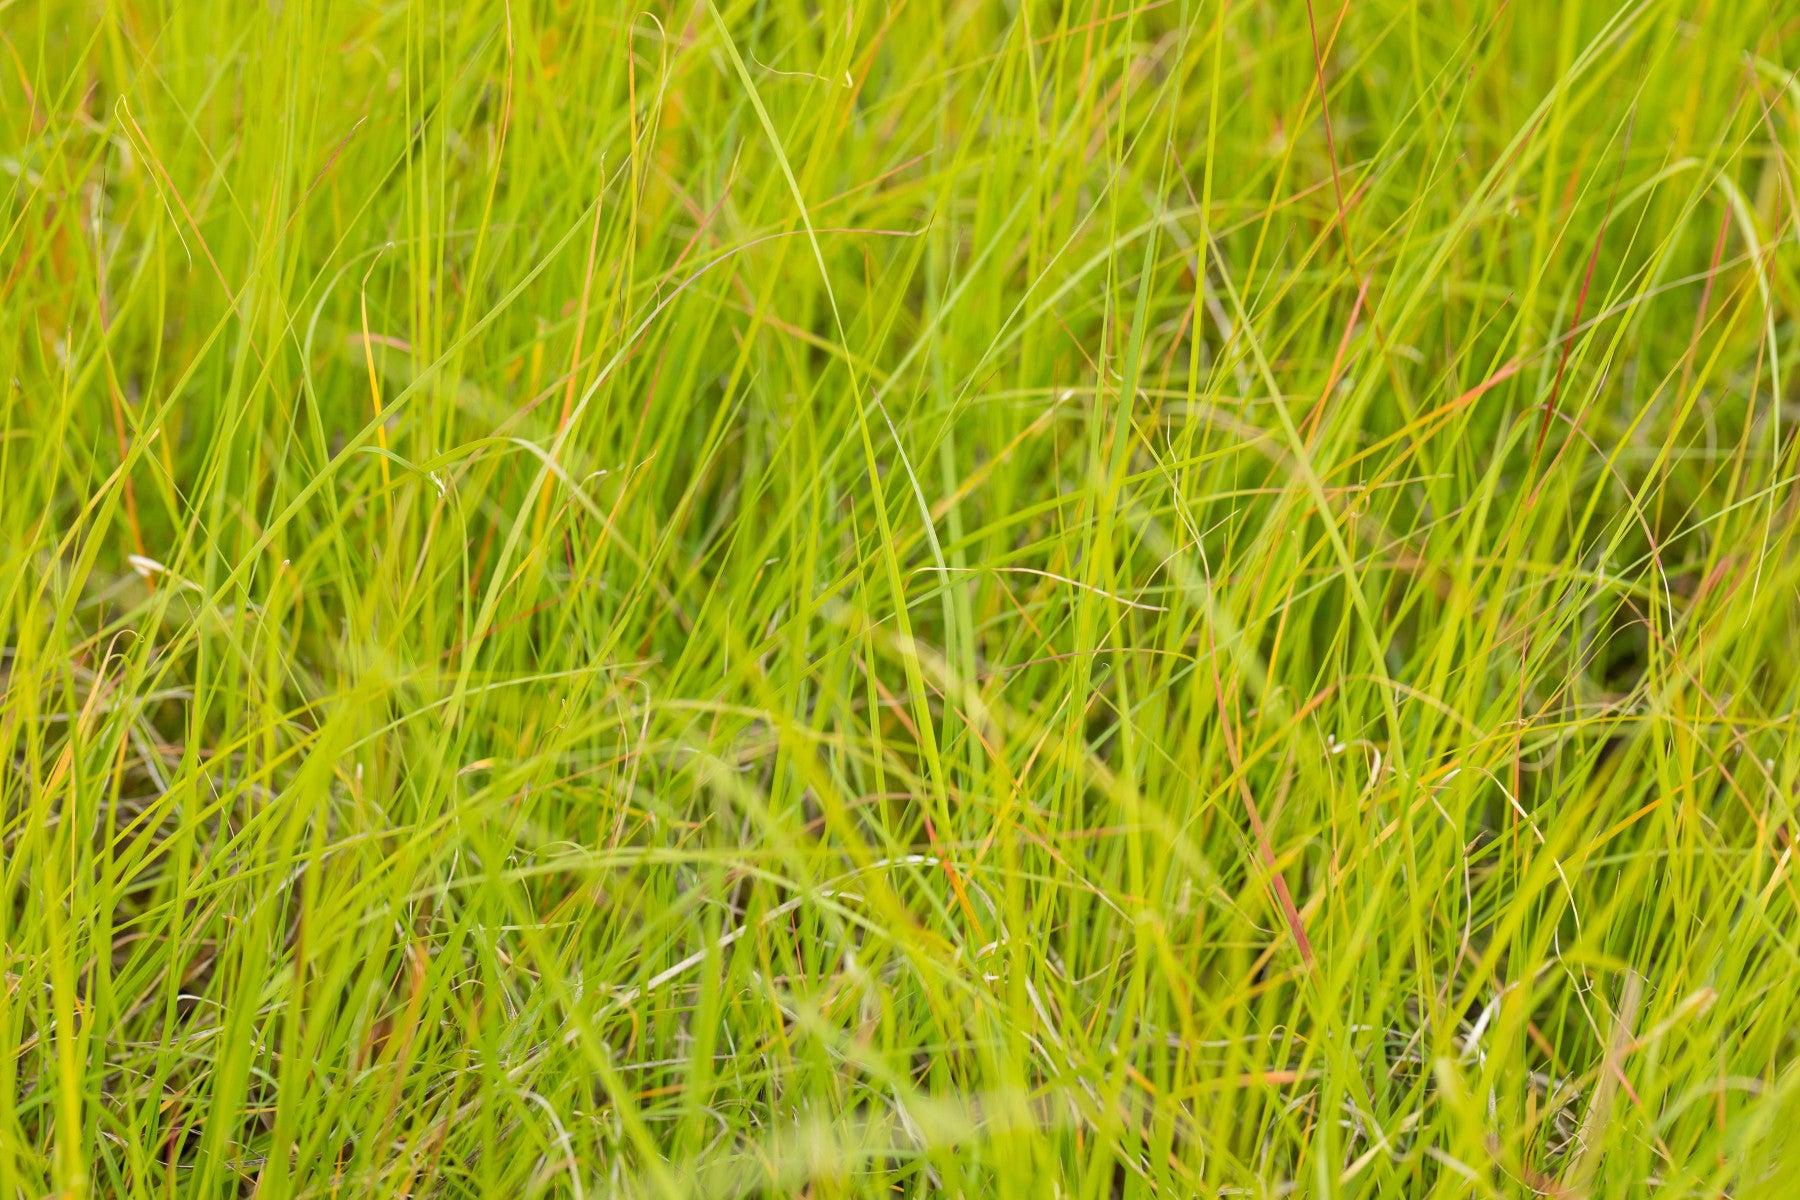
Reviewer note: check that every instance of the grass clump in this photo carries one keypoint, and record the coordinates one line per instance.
(944, 598)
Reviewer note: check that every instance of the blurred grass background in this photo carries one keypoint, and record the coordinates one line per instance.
(967, 598)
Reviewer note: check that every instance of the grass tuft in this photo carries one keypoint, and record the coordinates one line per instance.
(949, 598)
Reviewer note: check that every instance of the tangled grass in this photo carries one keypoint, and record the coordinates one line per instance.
(954, 597)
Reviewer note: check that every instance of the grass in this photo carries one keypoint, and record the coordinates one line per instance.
(953, 598)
